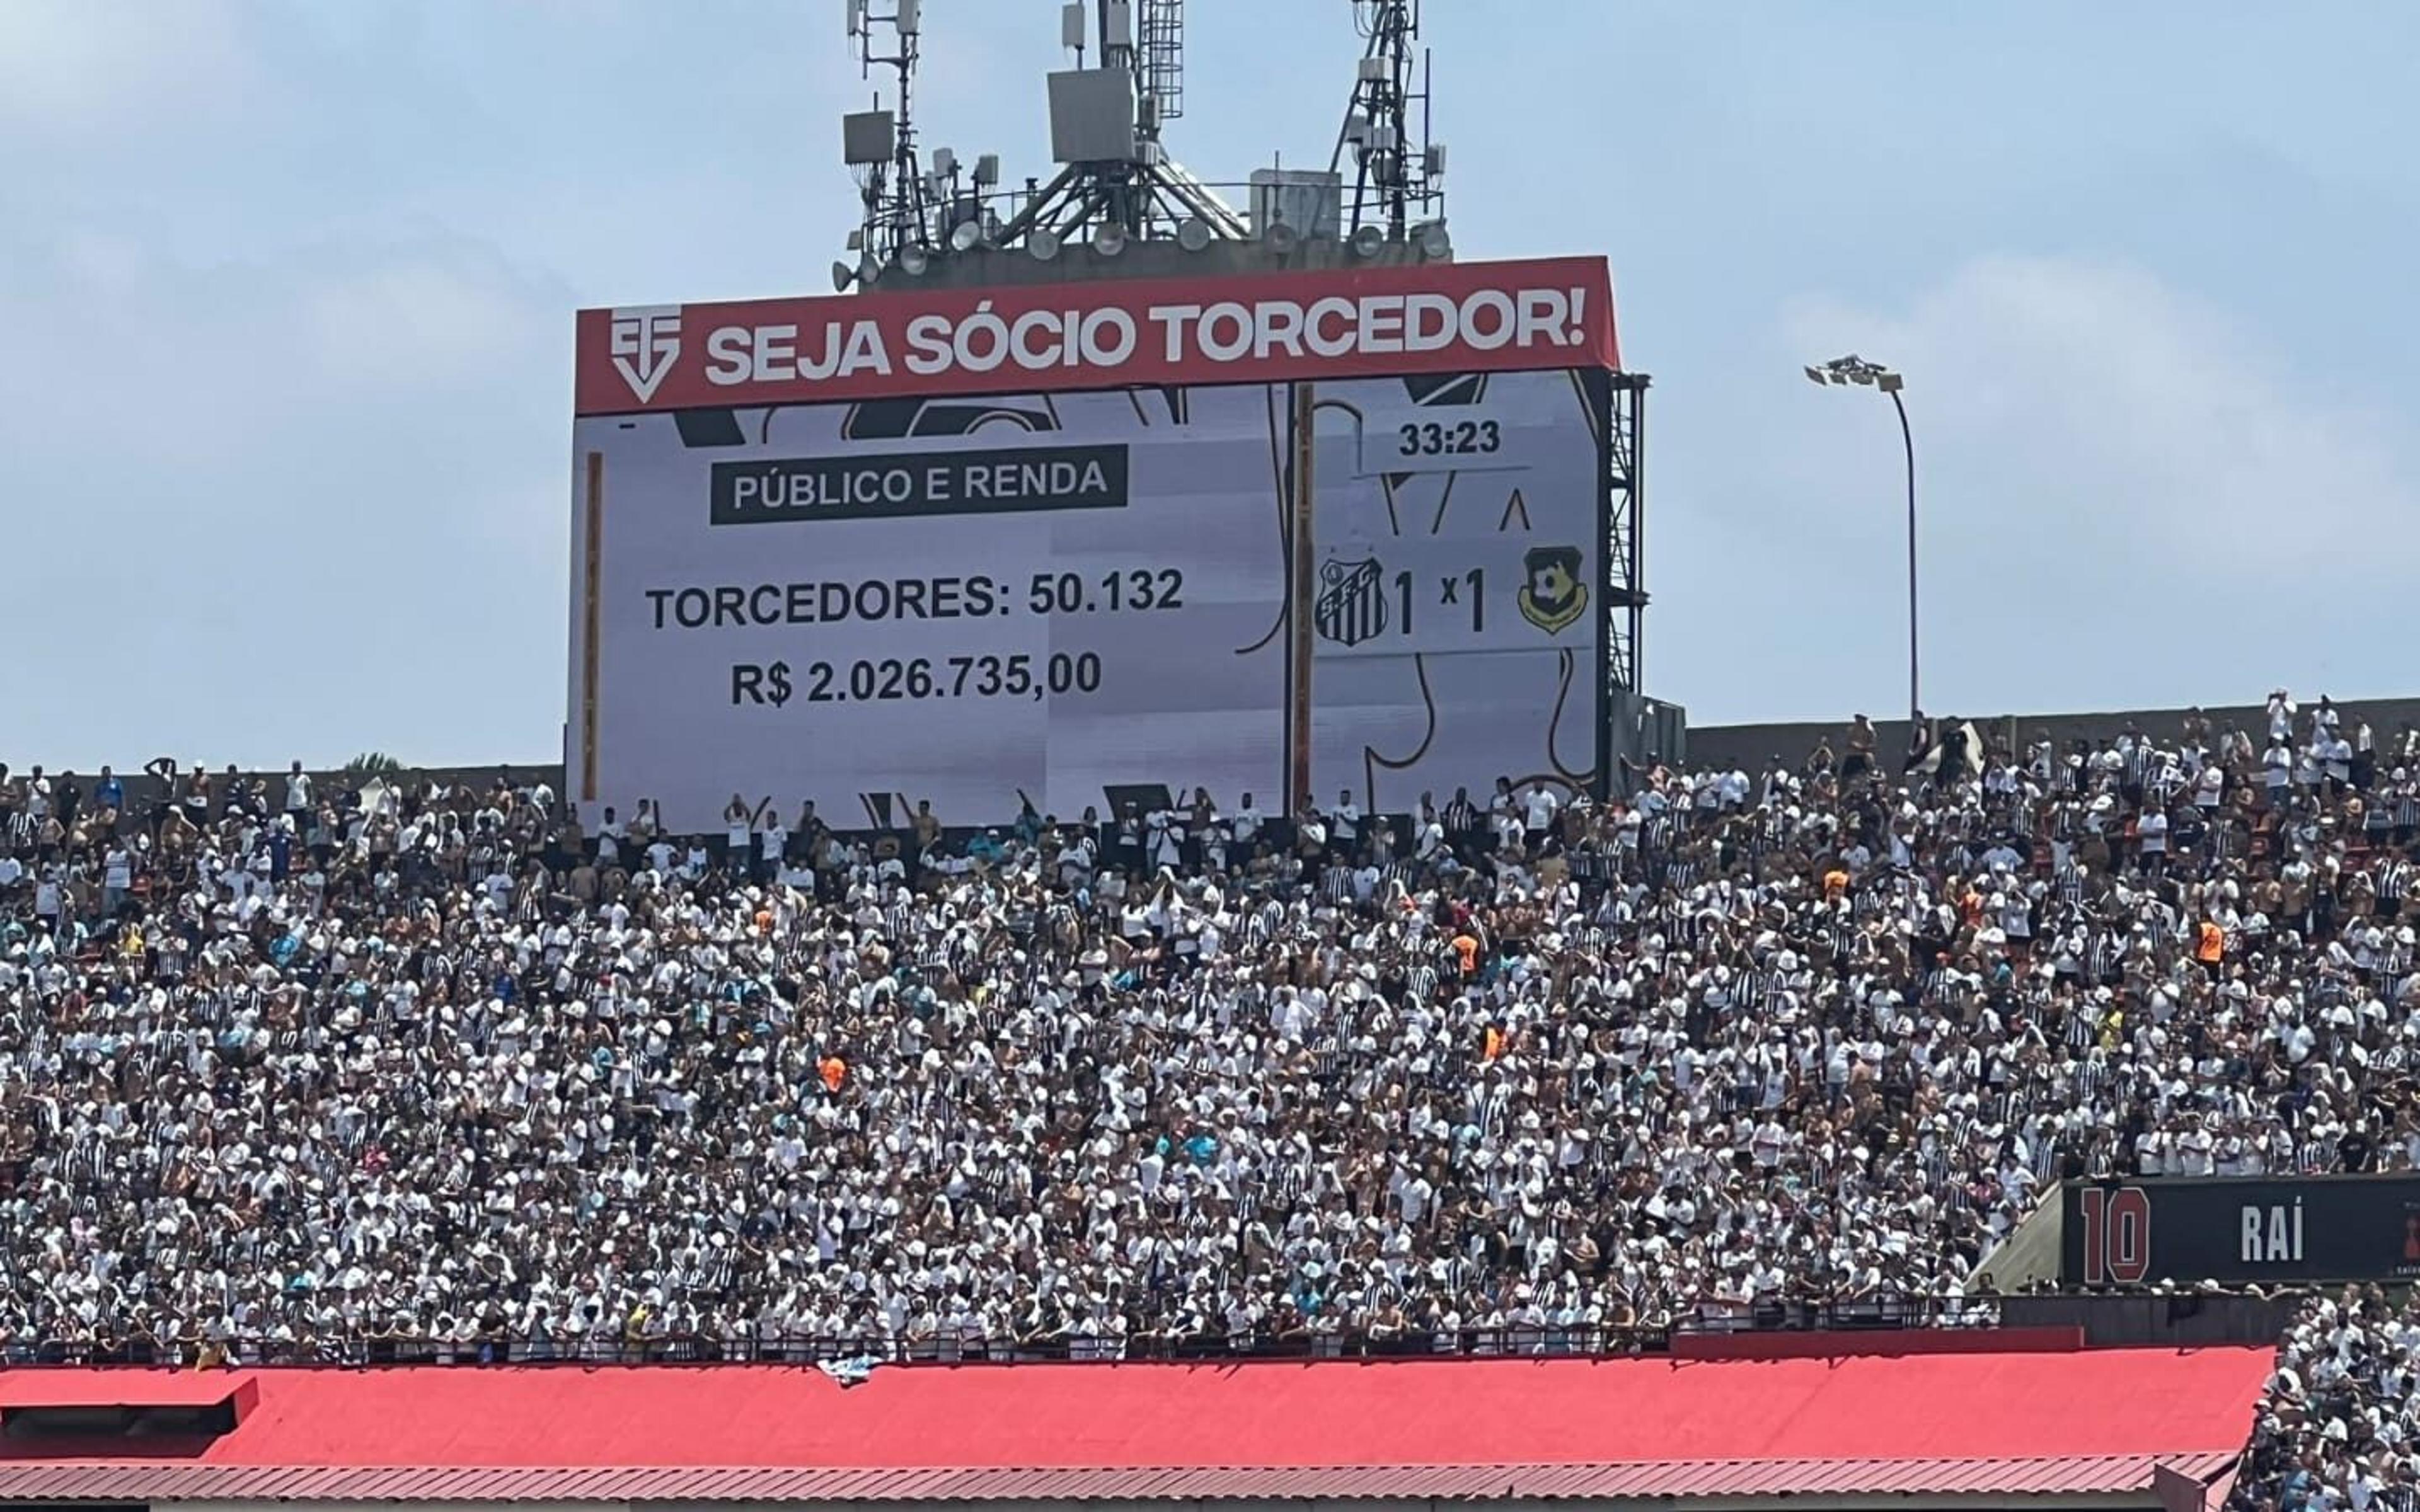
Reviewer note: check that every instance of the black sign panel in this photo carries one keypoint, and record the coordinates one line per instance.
(902, 485)
(2241, 1230)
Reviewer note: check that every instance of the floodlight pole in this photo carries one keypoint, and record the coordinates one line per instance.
(1907, 438)
(1856, 369)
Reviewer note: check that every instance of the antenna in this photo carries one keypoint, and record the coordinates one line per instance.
(879, 144)
(1399, 173)
(1117, 182)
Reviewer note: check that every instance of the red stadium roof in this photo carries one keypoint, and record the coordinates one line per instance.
(1737, 1479)
(2100, 1421)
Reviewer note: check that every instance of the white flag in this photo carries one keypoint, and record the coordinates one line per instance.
(854, 1371)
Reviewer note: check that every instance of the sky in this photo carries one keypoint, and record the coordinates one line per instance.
(285, 297)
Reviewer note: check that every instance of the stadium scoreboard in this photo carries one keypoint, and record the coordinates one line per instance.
(1286, 535)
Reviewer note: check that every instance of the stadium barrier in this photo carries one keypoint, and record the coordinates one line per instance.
(2176, 1320)
(504, 1350)
(2099, 1320)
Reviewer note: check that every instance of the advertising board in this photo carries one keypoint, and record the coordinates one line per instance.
(2241, 1230)
(1284, 536)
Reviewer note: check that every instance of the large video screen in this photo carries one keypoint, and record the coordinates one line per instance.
(1290, 579)
(1457, 615)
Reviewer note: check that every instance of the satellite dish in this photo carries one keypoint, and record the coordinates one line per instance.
(913, 261)
(1043, 245)
(869, 268)
(967, 237)
(843, 276)
(1435, 244)
(1194, 234)
(1109, 239)
(1368, 242)
(1283, 238)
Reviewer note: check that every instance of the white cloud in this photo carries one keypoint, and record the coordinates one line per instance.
(300, 331)
(80, 65)
(341, 461)
(2107, 403)
(2127, 499)
(416, 322)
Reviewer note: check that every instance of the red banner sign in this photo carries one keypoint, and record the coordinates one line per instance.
(1447, 317)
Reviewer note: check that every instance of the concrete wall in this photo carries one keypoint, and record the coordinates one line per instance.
(142, 791)
(1749, 746)
(2031, 1253)
(1745, 745)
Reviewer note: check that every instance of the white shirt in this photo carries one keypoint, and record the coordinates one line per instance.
(2194, 1149)
(1165, 839)
(1538, 809)
(2281, 715)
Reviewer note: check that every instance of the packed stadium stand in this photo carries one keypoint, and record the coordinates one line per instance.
(403, 1073)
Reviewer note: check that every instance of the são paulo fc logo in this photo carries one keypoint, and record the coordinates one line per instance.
(645, 342)
(1351, 605)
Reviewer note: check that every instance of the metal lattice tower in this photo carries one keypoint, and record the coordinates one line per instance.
(1625, 542)
(1159, 35)
(1128, 188)
(897, 195)
(928, 217)
(1396, 168)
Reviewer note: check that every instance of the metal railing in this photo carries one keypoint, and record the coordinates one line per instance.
(1853, 1315)
(500, 1348)
(2104, 1318)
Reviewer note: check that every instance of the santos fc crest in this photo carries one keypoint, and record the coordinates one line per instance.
(1352, 604)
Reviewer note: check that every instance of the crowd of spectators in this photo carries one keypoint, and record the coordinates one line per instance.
(2340, 1429)
(421, 1070)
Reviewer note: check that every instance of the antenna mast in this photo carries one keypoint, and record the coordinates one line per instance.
(1115, 186)
(1117, 181)
(1398, 184)
(880, 143)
